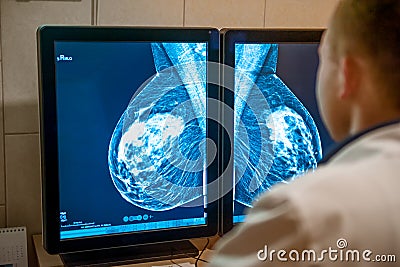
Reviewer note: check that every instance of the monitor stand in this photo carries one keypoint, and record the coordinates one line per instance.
(131, 254)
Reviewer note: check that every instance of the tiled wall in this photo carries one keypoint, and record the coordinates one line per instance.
(19, 142)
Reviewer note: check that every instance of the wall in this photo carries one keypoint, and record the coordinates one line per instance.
(19, 131)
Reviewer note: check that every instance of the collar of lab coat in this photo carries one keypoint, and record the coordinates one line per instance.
(350, 140)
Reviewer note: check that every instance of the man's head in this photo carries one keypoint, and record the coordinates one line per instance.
(359, 75)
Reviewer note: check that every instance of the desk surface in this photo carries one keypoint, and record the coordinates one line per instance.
(47, 260)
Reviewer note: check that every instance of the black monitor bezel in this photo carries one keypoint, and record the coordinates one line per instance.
(229, 37)
(46, 37)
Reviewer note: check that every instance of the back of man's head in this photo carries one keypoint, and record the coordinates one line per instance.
(371, 29)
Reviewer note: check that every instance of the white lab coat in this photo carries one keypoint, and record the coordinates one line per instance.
(355, 196)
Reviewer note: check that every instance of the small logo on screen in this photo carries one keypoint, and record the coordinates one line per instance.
(64, 58)
(63, 216)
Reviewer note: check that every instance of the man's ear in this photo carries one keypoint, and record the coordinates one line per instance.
(350, 74)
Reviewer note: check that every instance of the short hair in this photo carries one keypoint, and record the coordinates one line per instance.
(371, 28)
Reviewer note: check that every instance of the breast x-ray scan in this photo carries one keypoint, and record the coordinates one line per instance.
(157, 151)
(276, 139)
(137, 162)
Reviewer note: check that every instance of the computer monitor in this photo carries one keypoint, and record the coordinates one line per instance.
(123, 123)
(278, 134)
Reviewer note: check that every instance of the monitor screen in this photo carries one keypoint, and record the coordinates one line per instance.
(123, 124)
(278, 134)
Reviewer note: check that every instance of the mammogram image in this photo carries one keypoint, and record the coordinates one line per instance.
(157, 153)
(275, 137)
(157, 150)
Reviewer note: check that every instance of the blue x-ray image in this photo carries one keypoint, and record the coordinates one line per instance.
(275, 137)
(157, 150)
